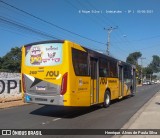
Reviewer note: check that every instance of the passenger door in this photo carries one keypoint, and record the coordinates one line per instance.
(94, 72)
(121, 82)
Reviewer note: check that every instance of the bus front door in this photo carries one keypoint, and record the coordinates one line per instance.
(94, 72)
(133, 81)
(121, 82)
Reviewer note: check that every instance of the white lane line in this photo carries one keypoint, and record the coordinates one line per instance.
(56, 119)
(47, 122)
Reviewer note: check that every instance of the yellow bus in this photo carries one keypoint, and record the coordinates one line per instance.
(60, 72)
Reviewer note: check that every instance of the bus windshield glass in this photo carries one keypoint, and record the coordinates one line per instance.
(48, 54)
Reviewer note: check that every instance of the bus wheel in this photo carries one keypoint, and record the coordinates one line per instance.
(107, 99)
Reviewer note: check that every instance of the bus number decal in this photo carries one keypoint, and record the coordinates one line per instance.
(33, 72)
(52, 73)
(103, 81)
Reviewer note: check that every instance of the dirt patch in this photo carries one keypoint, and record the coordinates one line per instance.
(12, 104)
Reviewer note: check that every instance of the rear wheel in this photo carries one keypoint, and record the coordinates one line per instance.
(107, 99)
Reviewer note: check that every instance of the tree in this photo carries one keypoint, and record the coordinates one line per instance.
(155, 64)
(12, 60)
(133, 58)
(0, 62)
(147, 71)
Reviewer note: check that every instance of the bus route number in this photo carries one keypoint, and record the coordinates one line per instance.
(33, 72)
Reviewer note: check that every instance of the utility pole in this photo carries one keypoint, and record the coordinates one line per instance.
(109, 30)
(142, 58)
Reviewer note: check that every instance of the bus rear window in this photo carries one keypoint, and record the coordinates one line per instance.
(48, 54)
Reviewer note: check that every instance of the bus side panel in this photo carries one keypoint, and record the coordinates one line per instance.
(83, 91)
(78, 91)
(108, 83)
(113, 85)
(127, 90)
(103, 85)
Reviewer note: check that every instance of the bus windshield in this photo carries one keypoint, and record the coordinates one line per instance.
(48, 54)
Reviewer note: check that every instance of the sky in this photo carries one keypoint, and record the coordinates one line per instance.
(135, 24)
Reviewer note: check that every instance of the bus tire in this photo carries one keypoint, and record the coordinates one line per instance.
(107, 99)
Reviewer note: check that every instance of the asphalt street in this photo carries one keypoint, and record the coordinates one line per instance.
(54, 117)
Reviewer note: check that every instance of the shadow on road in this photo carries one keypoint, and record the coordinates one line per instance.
(64, 112)
(69, 112)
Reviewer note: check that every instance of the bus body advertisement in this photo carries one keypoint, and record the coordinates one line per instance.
(64, 73)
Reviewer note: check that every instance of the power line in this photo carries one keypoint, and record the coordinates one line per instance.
(15, 32)
(107, 21)
(110, 22)
(24, 27)
(101, 15)
(44, 21)
(38, 18)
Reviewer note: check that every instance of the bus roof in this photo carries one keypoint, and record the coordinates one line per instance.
(43, 42)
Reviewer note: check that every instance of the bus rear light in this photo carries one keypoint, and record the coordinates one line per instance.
(64, 84)
(23, 83)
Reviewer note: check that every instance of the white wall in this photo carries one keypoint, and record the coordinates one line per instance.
(7, 83)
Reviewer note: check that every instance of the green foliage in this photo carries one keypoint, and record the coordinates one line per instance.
(0, 62)
(155, 64)
(138, 68)
(133, 58)
(11, 62)
(147, 71)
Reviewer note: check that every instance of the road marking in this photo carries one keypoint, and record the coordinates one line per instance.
(56, 119)
(47, 122)
(44, 123)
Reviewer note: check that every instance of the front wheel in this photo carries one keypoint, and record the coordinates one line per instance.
(107, 99)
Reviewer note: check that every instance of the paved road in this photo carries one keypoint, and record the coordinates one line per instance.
(50, 117)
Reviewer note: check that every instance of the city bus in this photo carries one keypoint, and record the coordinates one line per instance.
(61, 72)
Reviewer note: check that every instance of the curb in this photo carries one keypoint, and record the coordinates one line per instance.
(14, 103)
(10, 100)
(133, 118)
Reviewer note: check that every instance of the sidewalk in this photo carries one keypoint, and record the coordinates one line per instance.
(148, 117)
(12, 104)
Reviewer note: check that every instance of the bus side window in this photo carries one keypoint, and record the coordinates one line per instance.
(103, 68)
(80, 62)
(113, 68)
